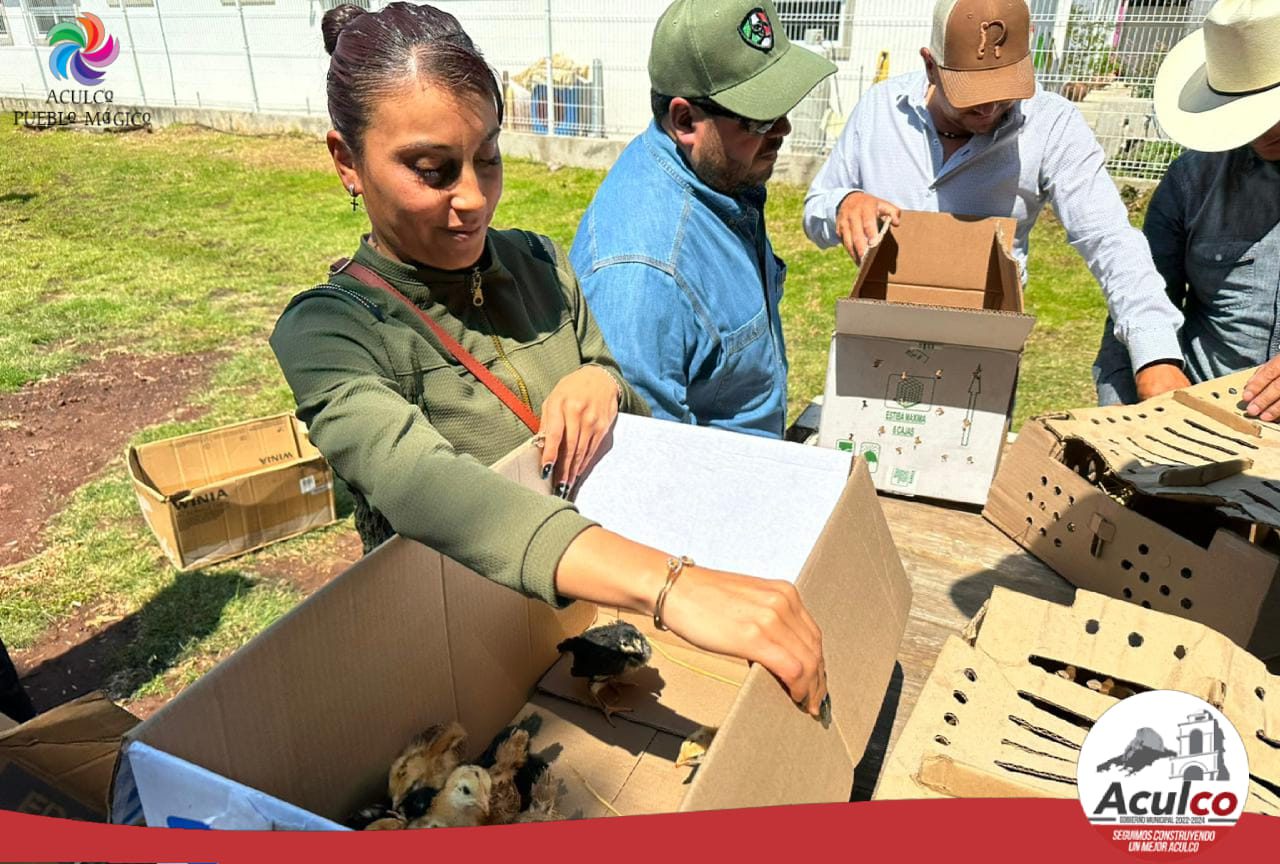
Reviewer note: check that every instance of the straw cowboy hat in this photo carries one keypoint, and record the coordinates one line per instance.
(1219, 88)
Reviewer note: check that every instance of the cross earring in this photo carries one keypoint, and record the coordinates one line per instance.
(355, 202)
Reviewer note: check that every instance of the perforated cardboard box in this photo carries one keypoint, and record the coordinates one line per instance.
(1007, 705)
(215, 495)
(1170, 504)
(410, 638)
(924, 360)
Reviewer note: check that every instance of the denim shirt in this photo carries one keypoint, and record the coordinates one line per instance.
(684, 284)
(1214, 229)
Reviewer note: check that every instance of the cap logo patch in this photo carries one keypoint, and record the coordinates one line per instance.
(756, 30)
(997, 42)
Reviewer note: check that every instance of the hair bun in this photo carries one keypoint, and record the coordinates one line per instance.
(335, 20)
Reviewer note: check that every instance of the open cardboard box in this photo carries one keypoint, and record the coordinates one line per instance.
(1194, 536)
(214, 495)
(298, 728)
(924, 360)
(998, 719)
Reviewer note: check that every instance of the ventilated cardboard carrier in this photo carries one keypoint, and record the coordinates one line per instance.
(1170, 504)
(924, 360)
(298, 728)
(218, 494)
(1007, 706)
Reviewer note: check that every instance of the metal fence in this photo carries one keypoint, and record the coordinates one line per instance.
(267, 56)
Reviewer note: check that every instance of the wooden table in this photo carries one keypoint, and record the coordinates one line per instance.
(953, 557)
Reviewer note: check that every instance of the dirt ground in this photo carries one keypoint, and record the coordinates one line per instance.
(55, 436)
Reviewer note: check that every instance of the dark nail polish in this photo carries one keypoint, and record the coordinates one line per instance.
(563, 490)
(824, 711)
(546, 470)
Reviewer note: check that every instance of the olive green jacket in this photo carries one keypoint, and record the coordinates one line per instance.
(411, 431)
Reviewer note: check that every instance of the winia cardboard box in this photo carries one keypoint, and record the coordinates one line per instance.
(1170, 504)
(1007, 706)
(298, 728)
(218, 494)
(924, 359)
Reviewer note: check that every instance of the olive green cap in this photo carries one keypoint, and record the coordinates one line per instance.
(735, 53)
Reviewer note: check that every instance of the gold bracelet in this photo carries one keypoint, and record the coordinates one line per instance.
(675, 566)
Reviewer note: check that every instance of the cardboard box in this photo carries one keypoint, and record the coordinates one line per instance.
(924, 360)
(1158, 504)
(218, 494)
(60, 762)
(998, 719)
(298, 728)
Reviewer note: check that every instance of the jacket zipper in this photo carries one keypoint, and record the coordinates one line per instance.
(477, 300)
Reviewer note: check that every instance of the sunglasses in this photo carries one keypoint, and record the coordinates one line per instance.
(755, 127)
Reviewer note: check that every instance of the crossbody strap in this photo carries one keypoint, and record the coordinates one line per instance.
(453, 346)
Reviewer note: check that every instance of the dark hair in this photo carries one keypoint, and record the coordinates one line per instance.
(372, 54)
(660, 105)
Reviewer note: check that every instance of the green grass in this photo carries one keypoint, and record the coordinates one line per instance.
(189, 240)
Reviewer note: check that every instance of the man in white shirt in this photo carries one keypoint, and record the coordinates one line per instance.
(972, 134)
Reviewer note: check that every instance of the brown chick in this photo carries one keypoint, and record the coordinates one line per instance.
(428, 760)
(463, 801)
(544, 800)
(504, 800)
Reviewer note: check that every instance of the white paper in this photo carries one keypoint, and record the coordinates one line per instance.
(729, 501)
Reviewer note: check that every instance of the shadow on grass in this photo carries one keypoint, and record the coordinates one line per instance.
(126, 655)
(16, 197)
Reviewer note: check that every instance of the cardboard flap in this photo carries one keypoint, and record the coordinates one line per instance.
(978, 328)
(855, 587)
(943, 259)
(1192, 444)
(679, 691)
(72, 747)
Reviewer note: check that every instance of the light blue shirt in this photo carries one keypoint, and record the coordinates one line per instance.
(1043, 152)
(1214, 228)
(684, 284)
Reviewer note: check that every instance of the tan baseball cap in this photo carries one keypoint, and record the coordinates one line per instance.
(983, 51)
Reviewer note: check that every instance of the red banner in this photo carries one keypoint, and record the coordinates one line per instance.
(948, 831)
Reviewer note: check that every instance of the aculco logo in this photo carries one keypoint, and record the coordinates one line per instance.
(1163, 773)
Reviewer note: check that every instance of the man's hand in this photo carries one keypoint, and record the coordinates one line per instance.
(1160, 378)
(1262, 393)
(858, 221)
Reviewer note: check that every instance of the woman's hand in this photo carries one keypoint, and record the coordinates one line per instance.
(760, 620)
(576, 417)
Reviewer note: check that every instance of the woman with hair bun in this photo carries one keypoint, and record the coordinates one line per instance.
(377, 357)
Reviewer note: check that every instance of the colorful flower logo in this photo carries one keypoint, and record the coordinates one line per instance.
(81, 49)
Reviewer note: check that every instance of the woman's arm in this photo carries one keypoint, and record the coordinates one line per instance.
(760, 620)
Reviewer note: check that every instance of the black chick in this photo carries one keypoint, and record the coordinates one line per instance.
(604, 655)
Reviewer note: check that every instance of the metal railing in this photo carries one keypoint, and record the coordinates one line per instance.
(267, 56)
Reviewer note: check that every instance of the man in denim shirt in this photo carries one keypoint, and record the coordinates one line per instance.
(1214, 221)
(672, 253)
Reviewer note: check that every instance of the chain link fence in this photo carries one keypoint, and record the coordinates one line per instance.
(266, 56)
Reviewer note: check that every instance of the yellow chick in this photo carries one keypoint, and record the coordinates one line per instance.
(463, 801)
(694, 748)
